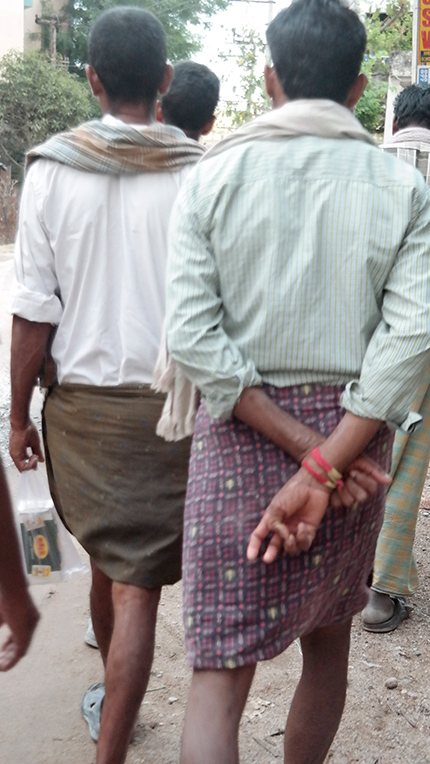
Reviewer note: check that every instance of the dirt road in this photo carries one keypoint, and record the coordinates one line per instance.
(40, 699)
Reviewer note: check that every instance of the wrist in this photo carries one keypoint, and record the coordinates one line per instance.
(19, 422)
(312, 482)
(307, 440)
(322, 471)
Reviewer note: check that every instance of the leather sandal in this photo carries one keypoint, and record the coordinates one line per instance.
(401, 612)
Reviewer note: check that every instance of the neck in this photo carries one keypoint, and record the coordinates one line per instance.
(132, 113)
(195, 135)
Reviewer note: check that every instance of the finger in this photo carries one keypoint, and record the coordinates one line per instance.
(9, 654)
(31, 463)
(366, 483)
(290, 545)
(273, 549)
(20, 463)
(278, 527)
(335, 500)
(345, 497)
(364, 464)
(35, 446)
(37, 453)
(304, 536)
(355, 490)
(257, 537)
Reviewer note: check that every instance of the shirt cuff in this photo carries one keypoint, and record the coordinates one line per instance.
(353, 400)
(221, 403)
(35, 306)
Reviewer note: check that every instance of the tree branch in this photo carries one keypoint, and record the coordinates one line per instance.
(388, 22)
(11, 159)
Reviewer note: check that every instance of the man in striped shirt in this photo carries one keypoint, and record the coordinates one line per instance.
(395, 573)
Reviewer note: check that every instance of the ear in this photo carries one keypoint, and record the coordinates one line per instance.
(356, 91)
(273, 87)
(269, 79)
(208, 126)
(395, 126)
(96, 86)
(167, 78)
(158, 112)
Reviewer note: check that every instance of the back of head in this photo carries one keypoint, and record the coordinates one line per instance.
(127, 48)
(317, 48)
(412, 107)
(192, 97)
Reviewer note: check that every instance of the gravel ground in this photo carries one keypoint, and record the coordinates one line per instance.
(40, 699)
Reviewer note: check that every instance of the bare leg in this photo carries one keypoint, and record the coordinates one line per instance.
(101, 610)
(319, 699)
(214, 709)
(127, 663)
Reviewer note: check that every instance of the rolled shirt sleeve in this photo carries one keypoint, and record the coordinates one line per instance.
(397, 359)
(36, 294)
(195, 335)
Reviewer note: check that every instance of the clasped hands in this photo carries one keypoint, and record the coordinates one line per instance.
(294, 514)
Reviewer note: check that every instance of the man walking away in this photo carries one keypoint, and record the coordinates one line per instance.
(90, 261)
(395, 575)
(191, 100)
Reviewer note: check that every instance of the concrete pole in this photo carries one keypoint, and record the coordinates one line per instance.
(53, 39)
(415, 28)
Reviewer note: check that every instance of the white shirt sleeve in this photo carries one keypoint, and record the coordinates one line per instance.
(36, 293)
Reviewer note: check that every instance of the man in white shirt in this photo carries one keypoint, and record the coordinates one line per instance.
(90, 261)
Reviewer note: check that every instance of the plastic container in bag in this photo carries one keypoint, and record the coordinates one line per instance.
(49, 553)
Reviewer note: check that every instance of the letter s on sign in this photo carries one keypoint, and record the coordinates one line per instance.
(425, 15)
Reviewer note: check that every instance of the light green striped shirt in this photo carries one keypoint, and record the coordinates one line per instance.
(301, 260)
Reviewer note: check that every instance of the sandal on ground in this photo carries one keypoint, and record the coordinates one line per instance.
(400, 613)
(92, 708)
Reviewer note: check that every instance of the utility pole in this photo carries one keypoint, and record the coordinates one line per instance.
(53, 22)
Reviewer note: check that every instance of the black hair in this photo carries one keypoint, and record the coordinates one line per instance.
(127, 48)
(192, 97)
(317, 48)
(412, 107)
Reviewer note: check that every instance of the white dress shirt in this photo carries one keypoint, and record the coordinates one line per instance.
(90, 257)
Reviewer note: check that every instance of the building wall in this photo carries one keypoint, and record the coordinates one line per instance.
(11, 26)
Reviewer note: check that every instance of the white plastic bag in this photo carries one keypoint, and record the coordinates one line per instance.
(49, 553)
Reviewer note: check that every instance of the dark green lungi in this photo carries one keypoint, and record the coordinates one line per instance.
(118, 487)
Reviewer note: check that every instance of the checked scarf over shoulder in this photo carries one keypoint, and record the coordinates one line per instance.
(120, 149)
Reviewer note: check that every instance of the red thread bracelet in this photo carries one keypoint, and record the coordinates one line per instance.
(314, 473)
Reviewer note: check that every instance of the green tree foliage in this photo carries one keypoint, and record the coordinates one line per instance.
(37, 99)
(177, 16)
(384, 36)
(250, 99)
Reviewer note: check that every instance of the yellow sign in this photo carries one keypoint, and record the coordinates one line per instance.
(424, 33)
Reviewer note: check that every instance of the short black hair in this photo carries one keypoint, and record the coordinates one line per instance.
(192, 96)
(412, 107)
(127, 48)
(317, 48)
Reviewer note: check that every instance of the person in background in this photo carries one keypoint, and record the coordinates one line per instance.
(189, 105)
(191, 100)
(17, 609)
(298, 304)
(90, 260)
(395, 575)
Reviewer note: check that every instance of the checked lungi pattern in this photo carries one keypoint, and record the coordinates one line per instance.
(236, 612)
(395, 570)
